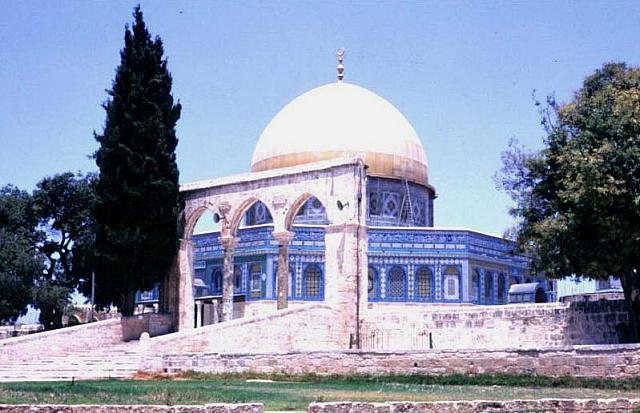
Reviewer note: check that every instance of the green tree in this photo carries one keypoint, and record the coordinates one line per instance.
(138, 195)
(577, 201)
(20, 262)
(64, 206)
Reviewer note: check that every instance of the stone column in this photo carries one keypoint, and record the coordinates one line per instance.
(228, 244)
(346, 279)
(185, 285)
(199, 311)
(169, 300)
(283, 238)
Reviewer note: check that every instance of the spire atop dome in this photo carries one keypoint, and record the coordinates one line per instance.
(340, 68)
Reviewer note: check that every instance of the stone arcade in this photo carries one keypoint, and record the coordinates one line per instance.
(337, 209)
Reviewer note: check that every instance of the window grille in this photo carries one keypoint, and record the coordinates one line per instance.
(391, 204)
(423, 283)
(313, 282)
(397, 283)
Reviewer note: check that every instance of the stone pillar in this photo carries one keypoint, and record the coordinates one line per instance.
(185, 285)
(228, 244)
(169, 300)
(283, 238)
(346, 278)
(199, 311)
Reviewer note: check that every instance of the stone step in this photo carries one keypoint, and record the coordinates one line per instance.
(118, 361)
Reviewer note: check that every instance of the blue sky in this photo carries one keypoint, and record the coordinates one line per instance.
(463, 73)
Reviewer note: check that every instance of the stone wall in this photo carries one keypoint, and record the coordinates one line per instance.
(296, 329)
(511, 406)
(476, 406)
(391, 326)
(87, 408)
(62, 342)
(613, 361)
(19, 330)
(152, 323)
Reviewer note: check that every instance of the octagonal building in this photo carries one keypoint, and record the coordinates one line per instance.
(337, 209)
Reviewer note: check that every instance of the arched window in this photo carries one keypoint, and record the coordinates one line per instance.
(312, 282)
(373, 286)
(396, 284)
(312, 212)
(475, 286)
(257, 214)
(488, 288)
(237, 279)
(451, 283)
(216, 279)
(423, 284)
(501, 288)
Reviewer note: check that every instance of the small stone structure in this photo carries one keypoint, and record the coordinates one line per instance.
(474, 406)
(391, 326)
(484, 406)
(88, 408)
(614, 362)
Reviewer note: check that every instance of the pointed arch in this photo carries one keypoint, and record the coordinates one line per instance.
(257, 214)
(304, 201)
(191, 220)
(239, 212)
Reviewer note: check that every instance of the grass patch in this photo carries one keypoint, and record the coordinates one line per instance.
(296, 392)
(444, 380)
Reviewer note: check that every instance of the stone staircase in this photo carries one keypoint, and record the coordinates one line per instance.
(114, 361)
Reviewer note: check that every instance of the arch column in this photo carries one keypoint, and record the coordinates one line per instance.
(228, 244)
(186, 303)
(284, 239)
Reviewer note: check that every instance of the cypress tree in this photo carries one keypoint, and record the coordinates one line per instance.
(138, 201)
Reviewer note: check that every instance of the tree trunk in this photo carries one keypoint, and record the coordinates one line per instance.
(631, 287)
(128, 302)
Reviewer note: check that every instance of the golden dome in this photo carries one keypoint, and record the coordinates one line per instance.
(337, 120)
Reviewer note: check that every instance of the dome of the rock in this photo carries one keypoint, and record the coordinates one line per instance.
(337, 120)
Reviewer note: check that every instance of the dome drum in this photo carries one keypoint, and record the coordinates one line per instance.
(378, 164)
